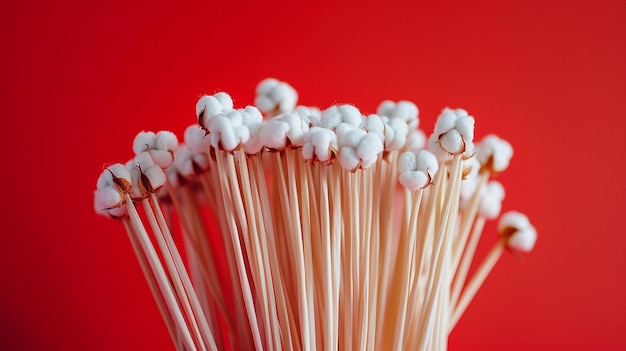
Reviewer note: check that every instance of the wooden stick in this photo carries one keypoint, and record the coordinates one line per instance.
(477, 280)
(159, 273)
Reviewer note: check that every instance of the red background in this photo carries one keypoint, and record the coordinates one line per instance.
(80, 80)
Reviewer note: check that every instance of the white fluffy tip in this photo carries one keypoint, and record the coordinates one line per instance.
(519, 233)
(494, 153)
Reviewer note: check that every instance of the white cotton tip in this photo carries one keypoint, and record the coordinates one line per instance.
(405, 110)
(454, 131)
(188, 163)
(520, 234)
(222, 131)
(333, 116)
(494, 153)
(147, 177)
(166, 140)
(110, 212)
(374, 124)
(357, 147)
(197, 140)
(313, 115)
(433, 146)
(369, 148)
(417, 170)
(143, 141)
(208, 107)
(416, 140)
(414, 180)
(108, 197)
(349, 135)
(396, 133)
(319, 144)
(115, 171)
(471, 167)
(348, 158)
(161, 146)
(274, 96)
(251, 118)
(163, 152)
(298, 127)
(407, 162)
(273, 134)
(491, 200)
(225, 100)
(427, 163)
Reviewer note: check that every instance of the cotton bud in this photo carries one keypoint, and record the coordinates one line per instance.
(454, 130)
(417, 170)
(275, 97)
(494, 153)
(520, 235)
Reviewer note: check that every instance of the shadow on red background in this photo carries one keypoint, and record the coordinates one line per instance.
(80, 80)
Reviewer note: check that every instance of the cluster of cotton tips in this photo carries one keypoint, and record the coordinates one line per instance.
(417, 169)
(275, 97)
(516, 229)
(454, 134)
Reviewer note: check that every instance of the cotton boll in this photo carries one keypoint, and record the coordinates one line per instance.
(368, 149)
(405, 110)
(319, 143)
(414, 180)
(143, 141)
(166, 140)
(494, 153)
(491, 201)
(350, 136)
(298, 127)
(416, 140)
(208, 107)
(273, 134)
(523, 240)
(333, 116)
(196, 139)
(274, 96)
(396, 137)
(348, 158)
(374, 124)
(427, 163)
(516, 228)
(108, 197)
(222, 133)
(118, 171)
(225, 100)
(433, 146)
(465, 126)
(385, 108)
(452, 142)
(445, 121)
(162, 158)
(251, 118)
(312, 115)
(407, 162)
(155, 176)
(350, 114)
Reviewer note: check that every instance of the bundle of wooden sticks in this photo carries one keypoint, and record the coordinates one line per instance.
(283, 227)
